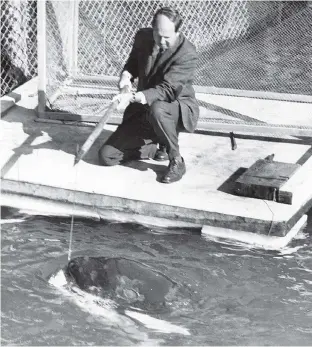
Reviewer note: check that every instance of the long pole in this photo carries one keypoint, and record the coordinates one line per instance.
(98, 129)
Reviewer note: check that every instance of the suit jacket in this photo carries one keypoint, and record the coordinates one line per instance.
(170, 78)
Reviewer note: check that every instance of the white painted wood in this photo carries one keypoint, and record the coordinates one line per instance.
(258, 94)
(300, 184)
(256, 128)
(257, 240)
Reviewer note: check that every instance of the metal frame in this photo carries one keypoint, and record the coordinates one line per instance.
(81, 86)
(73, 42)
(42, 61)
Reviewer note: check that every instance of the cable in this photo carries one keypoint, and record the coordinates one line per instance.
(271, 225)
(72, 219)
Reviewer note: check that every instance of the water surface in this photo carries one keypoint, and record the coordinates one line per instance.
(230, 294)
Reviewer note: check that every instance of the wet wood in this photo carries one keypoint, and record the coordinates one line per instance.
(264, 180)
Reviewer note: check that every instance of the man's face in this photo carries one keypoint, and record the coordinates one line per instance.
(164, 32)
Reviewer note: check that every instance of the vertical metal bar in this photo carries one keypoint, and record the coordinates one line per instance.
(104, 36)
(73, 39)
(42, 57)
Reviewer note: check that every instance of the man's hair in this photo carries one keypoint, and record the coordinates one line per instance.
(170, 13)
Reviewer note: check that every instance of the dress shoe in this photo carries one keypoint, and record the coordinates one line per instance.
(161, 153)
(175, 171)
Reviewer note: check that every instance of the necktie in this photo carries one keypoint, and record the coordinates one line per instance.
(159, 54)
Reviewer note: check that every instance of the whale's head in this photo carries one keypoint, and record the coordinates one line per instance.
(88, 273)
(121, 279)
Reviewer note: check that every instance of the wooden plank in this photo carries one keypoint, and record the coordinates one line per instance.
(202, 125)
(255, 128)
(260, 240)
(258, 94)
(134, 206)
(299, 184)
(264, 179)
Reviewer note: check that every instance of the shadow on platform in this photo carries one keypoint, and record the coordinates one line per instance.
(144, 166)
(59, 138)
(228, 185)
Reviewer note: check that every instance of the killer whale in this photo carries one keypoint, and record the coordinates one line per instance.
(123, 292)
(121, 278)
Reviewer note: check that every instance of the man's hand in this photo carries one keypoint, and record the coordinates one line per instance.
(124, 100)
(125, 80)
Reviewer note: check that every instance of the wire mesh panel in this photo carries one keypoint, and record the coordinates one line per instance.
(59, 31)
(18, 43)
(242, 45)
(106, 29)
(277, 59)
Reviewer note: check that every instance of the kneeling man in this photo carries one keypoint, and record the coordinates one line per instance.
(164, 62)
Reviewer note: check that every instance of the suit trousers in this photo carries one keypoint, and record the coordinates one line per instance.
(142, 128)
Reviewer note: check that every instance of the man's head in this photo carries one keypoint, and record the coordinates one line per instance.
(166, 24)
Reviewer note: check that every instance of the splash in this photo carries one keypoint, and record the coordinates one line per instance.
(157, 324)
(106, 310)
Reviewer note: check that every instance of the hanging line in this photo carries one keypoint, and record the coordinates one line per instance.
(74, 208)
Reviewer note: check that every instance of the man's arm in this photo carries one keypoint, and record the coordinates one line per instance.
(181, 72)
(131, 66)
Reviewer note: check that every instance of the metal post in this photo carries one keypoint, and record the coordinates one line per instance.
(73, 39)
(42, 57)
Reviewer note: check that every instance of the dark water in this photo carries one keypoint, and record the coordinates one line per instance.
(230, 294)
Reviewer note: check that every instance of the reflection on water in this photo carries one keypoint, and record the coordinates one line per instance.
(234, 295)
(277, 60)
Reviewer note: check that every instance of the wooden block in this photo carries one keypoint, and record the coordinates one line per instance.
(264, 179)
(300, 184)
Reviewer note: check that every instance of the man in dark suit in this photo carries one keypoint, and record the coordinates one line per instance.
(164, 62)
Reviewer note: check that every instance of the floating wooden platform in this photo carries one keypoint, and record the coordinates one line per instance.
(37, 164)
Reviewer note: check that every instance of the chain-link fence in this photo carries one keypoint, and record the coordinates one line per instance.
(106, 29)
(18, 43)
(244, 45)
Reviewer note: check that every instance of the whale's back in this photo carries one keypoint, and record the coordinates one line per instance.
(120, 274)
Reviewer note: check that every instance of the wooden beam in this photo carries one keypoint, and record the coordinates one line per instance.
(258, 94)
(256, 128)
(203, 125)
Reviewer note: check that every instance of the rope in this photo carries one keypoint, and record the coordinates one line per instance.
(271, 225)
(71, 237)
(72, 218)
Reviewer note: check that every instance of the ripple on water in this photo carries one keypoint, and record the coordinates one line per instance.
(230, 293)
